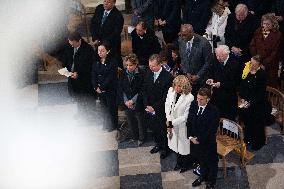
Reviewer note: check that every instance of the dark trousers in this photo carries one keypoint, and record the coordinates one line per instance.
(135, 123)
(209, 165)
(158, 125)
(183, 160)
(110, 108)
(208, 160)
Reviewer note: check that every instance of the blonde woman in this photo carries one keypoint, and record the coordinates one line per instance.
(177, 104)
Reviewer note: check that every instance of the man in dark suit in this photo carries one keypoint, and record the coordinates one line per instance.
(202, 124)
(239, 32)
(169, 19)
(196, 55)
(144, 43)
(106, 25)
(197, 13)
(224, 77)
(155, 88)
(78, 58)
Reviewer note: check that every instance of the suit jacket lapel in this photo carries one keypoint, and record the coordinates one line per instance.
(180, 100)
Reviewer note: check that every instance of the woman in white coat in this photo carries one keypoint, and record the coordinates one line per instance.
(177, 104)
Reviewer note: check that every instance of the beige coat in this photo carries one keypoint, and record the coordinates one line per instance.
(177, 113)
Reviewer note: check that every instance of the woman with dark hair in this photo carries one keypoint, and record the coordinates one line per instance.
(104, 79)
(266, 42)
(253, 103)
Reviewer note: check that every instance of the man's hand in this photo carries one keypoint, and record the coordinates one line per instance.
(150, 109)
(236, 50)
(194, 140)
(74, 75)
(129, 104)
(217, 84)
(209, 81)
(194, 78)
(98, 90)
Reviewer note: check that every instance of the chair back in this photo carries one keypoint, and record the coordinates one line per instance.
(231, 129)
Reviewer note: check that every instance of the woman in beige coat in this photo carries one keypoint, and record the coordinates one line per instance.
(177, 104)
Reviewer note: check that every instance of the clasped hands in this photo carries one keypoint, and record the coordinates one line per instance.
(129, 104)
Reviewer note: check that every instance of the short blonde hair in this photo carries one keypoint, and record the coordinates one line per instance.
(272, 19)
(183, 82)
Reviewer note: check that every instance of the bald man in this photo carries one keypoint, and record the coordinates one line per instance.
(196, 55)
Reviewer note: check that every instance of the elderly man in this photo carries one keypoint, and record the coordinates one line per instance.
(144, 43)
(196, 55)
(106, 25)
(239, 32)
(224, 77)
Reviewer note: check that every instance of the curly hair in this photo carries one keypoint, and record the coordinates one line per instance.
(183, 82)
(132, 58)
(272, 18)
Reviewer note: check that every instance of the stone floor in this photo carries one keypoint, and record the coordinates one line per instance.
(77, 153)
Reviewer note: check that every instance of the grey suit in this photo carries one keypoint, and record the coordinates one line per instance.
(197, 63)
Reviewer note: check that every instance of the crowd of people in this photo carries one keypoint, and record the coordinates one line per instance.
(181, 85)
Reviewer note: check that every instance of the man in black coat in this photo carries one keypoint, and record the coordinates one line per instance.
(239, 32)
(155, 88)
(202, 124)
(78, 58)
(169, 19)
(107, 25)
(197, 13)
(144, 43)
(224, 76)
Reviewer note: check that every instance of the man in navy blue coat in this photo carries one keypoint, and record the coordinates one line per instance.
(202, 124)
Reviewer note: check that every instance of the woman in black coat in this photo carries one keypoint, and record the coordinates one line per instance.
(254, 103)
(131, 82)
(104, 80)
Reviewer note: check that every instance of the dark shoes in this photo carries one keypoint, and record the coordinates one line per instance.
(155, 150)
(198, 182)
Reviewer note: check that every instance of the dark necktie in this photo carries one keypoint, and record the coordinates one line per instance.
(104, 17)
(73, 64)
(200, 111)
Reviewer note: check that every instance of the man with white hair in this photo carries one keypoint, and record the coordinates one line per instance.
(223, 74)
(239, 32)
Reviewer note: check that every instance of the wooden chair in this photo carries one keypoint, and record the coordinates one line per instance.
(276, 98)
(230, 137)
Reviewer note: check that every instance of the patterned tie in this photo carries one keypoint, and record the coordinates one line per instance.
(200, 111)
(104, 17)
(188, 48)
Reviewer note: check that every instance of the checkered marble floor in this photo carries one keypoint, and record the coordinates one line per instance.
(109, 164)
